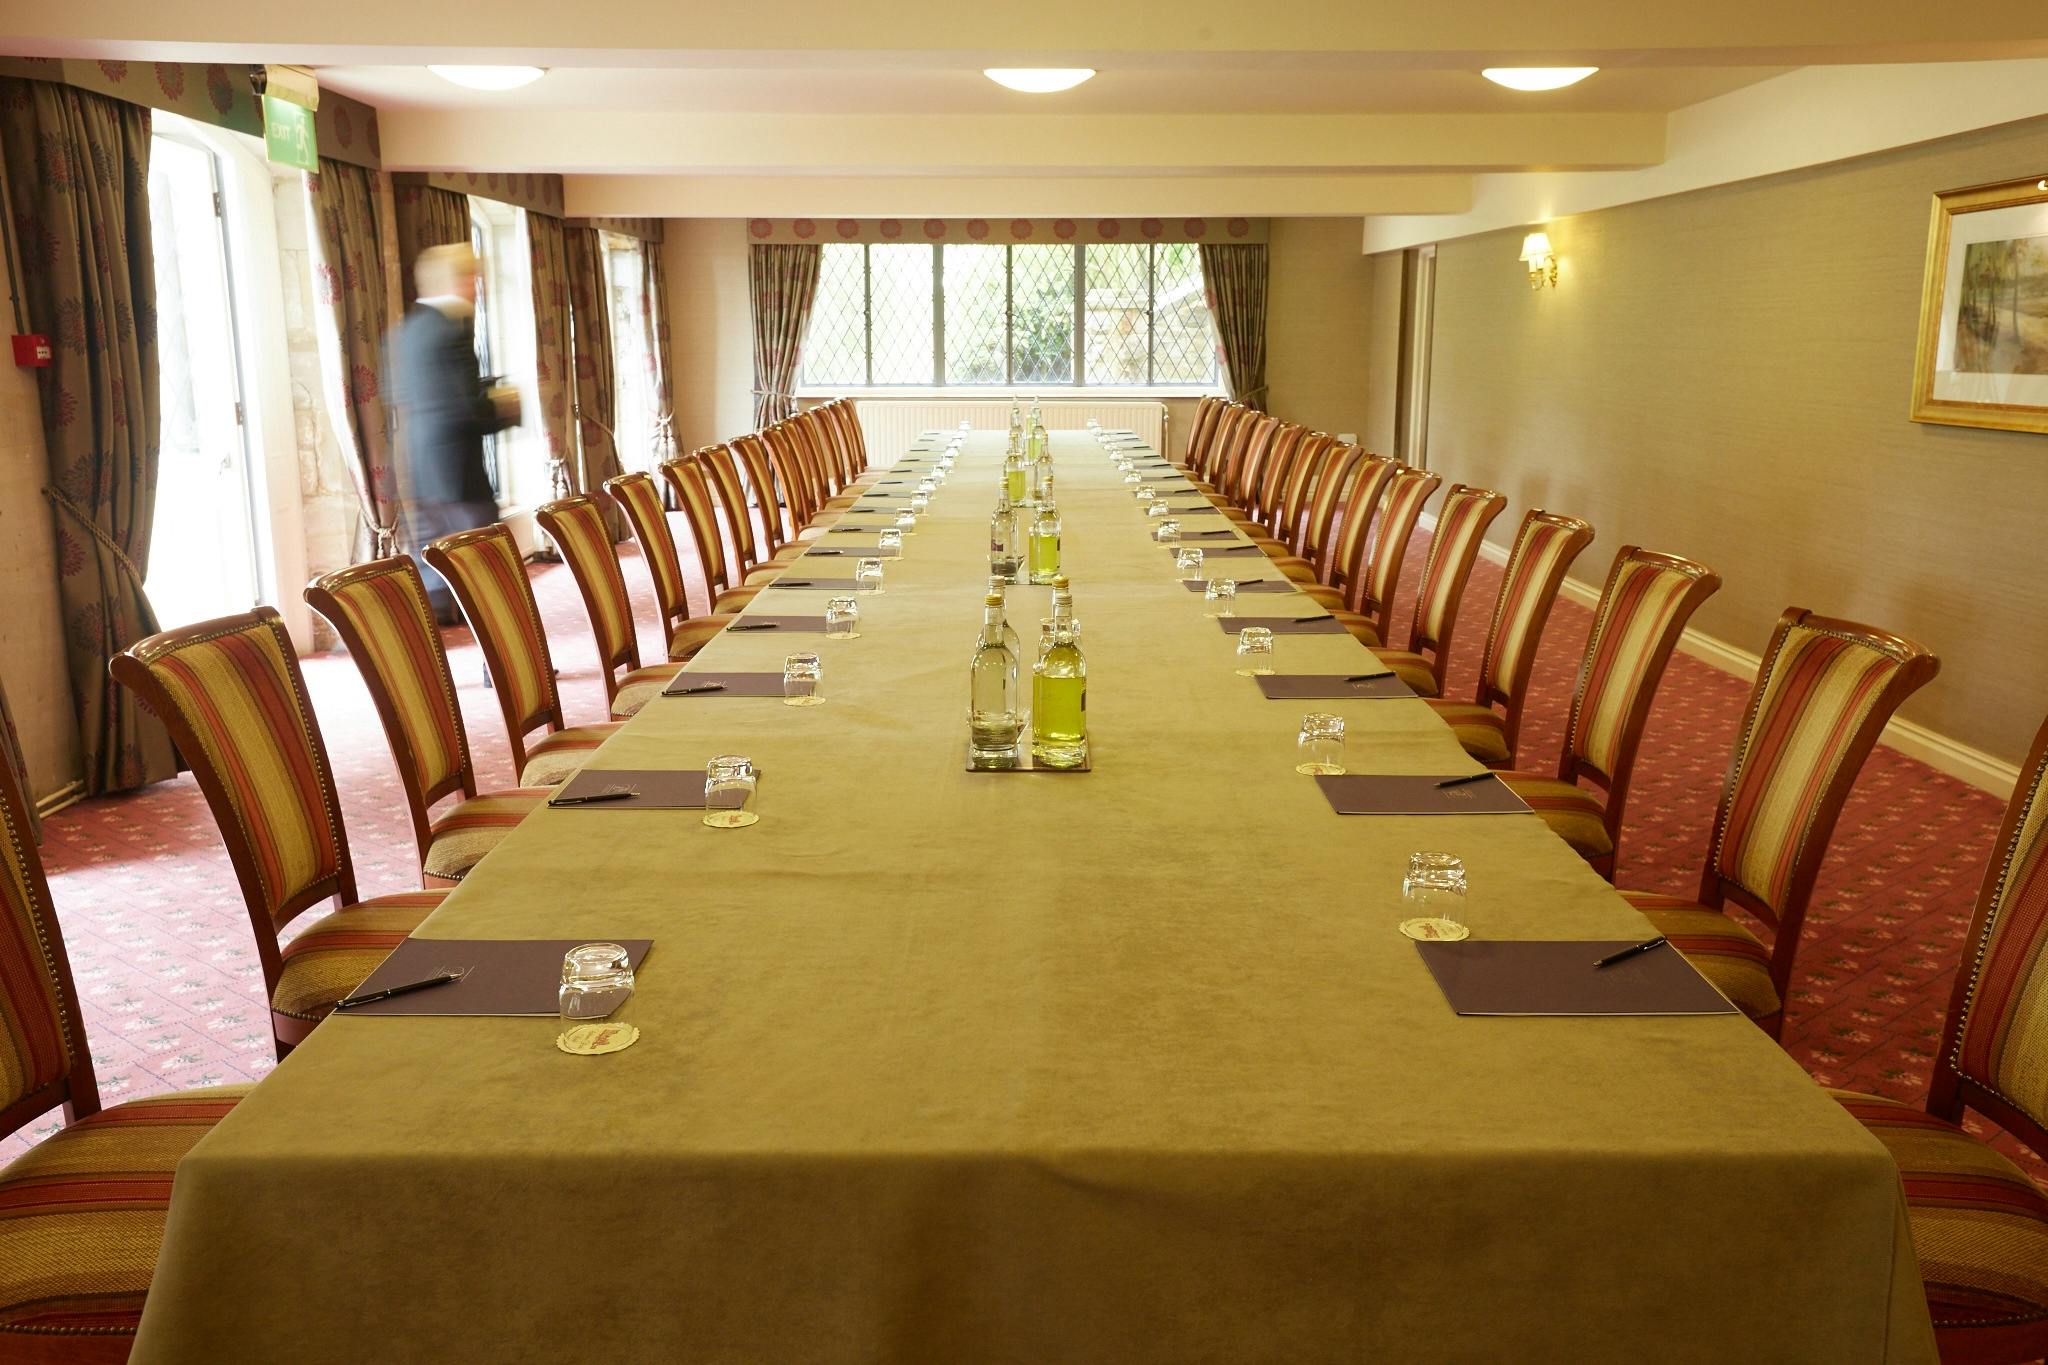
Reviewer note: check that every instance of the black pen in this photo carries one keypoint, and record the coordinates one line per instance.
(760, 625)
(441, 980)
(608, 794)
(1630, 951)
(1461, 781)
(1368, 677)
(701, 687)
(1305, 620)
(792, 582)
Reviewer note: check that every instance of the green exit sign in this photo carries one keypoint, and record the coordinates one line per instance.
(288, 134)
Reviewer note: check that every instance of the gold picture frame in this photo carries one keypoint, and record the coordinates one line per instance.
(1982, 358)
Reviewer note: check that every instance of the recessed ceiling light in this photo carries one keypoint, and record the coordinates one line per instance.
(490, 77)
(1039, 80)
(1537, 77)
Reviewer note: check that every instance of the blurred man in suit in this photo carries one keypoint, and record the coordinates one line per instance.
(445, 410)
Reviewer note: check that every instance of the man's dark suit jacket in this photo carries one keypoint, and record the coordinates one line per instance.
(446, 411)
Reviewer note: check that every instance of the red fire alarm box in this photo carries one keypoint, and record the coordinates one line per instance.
(32, 352)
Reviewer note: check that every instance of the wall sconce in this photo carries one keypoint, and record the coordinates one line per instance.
(1536, 255)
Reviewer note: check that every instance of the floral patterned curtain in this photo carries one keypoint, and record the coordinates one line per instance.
(353, 319)
(783, 280)
(597, 402)
(1235, 278)
(656, 318)
(548, 257)
(79, 167)
(427, 216)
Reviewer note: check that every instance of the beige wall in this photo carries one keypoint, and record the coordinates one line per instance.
(1319, 296)
(1383, 340)
(710, 329)
(1725, 374)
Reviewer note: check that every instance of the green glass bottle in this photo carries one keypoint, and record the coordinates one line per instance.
(1044, 551)
(1059, 701)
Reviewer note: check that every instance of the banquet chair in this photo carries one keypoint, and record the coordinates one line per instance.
(1237, 490)
(1823, 695)
(1260, 511)
(692, 487)
(640, 496)
(380, 611)
(1369, 598)
(1541, 556)
(81, 1213)
(1343, 561)
(1460, 530)
(750, 564)
(775, 536)
(835, 426)
(804, 490)
(489, 579)
(1980, 1225)
(1310, 505)
(231, 694)
(1637, 623)
(1201, 428)
(1234, 428)
(580, 532)
(1291, 501)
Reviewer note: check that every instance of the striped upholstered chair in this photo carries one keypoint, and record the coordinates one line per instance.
(1329, 485)
(578, 526)
(81, 1214)
(1823, 696)
(692, 487)
(1541, 556)
(1343, 565)
(1980, 1225)
(1643, 610)
(1368, 610)
(484, 569)
(381, 612)
(638, 494)
(232, 696)
(1460, 530)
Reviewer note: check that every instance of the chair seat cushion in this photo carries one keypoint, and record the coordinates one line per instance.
(1574, 814)
(1361, 627)
(1479, 728)
(468, 830)
(764, 575)
(82, 1220)
(1411, 668)
(638, 686)
(788, 554)
(687, 637)
(734, 600)
(1331, 598)
(333, 955)
(1297, 568)
(1727, 954)
(1980, 1226)
(554, 759)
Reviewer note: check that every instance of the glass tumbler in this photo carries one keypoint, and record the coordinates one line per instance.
(927, 487)
(906, 520)
(842, 619)
(1434, 889)
(1133, 477)
(1254, 652)
(1221, 595)
(890, 538)
(867, 576)
(1145, 494)
(918, 503)
(1156, 509)
(729, 782)
(1320, 745)
(597, 978)
(1167, 533)
(1187, 562)
(803, 681)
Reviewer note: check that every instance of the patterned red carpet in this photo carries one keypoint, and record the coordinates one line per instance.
(173, 994)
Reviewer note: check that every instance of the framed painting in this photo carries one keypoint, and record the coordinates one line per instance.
(1983, 354)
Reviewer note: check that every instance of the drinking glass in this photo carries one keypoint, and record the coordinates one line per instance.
(906, 520)
(1145, 494)
(1187, 562)
(1134, 477)
(842, 619)
(867, 576)
(965, 426)
(890, 539)
(729, 782)
(1156, 509)
(1221, 595)
(1320, 745)
(1254, 652)
(597, 978)
(927, 487)
(918, 503)
(803, 681)
(1434, 889)
(1167, 533)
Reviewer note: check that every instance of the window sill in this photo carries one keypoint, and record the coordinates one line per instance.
(997, 393)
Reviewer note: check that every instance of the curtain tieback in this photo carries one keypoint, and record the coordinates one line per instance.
(78, 514)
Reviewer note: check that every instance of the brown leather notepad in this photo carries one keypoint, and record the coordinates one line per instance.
(1332, 687)
(778, 625)
(1211, 535)
(1230, 551)
(511, 977)
(731, 685)
(1386, 794)
(1244, 585)
(1200, 510)
(652, 788)
(1283, 625)
(815, 584)
(1559, 978)
(854, 551)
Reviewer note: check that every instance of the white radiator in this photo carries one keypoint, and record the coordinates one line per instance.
(891, 425)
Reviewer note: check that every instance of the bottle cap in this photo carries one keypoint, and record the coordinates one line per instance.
(1059, 580)
(994, 599)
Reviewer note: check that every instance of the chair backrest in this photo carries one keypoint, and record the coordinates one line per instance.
(1460, 530)
(1544, 548)
(381, 612)
(1332, 484)
(827, 438)
(1345, 567)
(489, 579)
(1201, 431)
(231, 694)
(44, 1061)
(1309, 457)
(753, 458)
(1823, 695)
(1372, 596)
(785, 459)
(1243, 486)
(692, 487)
(1997, 1032)
(578, 524)
(1234, 433)
(640, 496)
(844, 416)
(1281, 452)
(809, 460)
(731, 496)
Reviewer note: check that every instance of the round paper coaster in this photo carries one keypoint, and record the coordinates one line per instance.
(594, 1040)
(730, 819)
(803, 701)
(1431, 930)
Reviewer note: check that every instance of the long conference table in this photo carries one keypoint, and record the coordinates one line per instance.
(1122, 1066)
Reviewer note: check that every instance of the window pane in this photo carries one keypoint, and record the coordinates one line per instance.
(1183, 347)
(835, 349)
(1042, 314)
(974, 314)
(900, 313)
(1118, 331)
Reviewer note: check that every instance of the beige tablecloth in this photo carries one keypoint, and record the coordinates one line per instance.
(1127, 1066)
